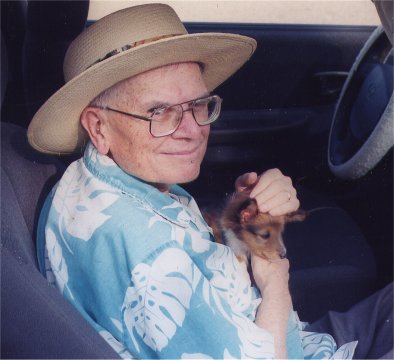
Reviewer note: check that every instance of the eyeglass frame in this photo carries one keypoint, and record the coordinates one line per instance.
(149, 119)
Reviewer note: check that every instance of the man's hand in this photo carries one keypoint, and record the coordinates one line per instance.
(273, 191)
(271, 276)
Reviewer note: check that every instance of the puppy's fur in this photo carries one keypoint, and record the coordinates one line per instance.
(248, 231)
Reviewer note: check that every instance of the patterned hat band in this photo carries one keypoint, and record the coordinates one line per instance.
(131, 46)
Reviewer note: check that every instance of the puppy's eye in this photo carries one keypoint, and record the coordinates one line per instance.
(265, 235)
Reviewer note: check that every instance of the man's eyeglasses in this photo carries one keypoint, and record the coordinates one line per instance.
(165, 120)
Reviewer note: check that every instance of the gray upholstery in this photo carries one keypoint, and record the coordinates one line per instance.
(36, 322)
(31, 174)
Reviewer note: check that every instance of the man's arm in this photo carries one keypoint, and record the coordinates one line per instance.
(273, 313)
(275, 194)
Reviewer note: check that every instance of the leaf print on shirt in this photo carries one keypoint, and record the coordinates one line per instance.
(58, 263)
(156, 303)
(101, 159)
(255, 342)
(116, 345)
(226, 355)
(231, 283)
(199, 356)
(230, 277)
(323, 346)
(198, 244)
(346, 351)
(317, 346)
(79, 204)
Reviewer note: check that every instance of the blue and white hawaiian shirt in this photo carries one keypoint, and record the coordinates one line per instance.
(142, 268)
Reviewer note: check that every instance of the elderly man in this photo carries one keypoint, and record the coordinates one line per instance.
(120, 239)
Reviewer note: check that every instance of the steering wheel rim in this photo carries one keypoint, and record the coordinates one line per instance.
(352, 150)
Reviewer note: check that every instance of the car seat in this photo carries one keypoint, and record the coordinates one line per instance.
(331, 264)
(36, 321)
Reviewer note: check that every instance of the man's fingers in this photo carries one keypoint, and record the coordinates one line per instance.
(266, 179)
(282, 185)
(285, 206)
(245, 181)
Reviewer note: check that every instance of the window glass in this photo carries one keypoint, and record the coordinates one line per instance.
(339, 12)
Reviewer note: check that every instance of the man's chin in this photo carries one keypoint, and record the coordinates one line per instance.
(186, 177)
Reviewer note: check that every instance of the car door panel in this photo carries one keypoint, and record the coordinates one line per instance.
(277, 109)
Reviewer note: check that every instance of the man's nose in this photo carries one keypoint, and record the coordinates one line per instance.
(188, 125)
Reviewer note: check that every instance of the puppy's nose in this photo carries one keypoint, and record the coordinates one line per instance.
(282, 254)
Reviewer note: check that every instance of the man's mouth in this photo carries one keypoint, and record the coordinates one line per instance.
(182, 152)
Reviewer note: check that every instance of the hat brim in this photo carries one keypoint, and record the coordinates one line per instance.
(56, 129)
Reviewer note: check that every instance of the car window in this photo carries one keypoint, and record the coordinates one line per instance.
(339, 12)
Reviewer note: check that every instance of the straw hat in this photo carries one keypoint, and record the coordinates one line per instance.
(118, 46)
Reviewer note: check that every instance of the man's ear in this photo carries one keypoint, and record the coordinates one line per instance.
(94, 122)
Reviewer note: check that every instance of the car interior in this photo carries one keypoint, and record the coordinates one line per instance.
(315, 101)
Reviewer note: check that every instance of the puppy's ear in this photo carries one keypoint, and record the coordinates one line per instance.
(248, 211)
(294, 216)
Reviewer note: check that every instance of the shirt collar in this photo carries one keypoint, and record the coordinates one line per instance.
(105, 169)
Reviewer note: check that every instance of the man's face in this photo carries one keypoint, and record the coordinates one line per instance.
(175, 158)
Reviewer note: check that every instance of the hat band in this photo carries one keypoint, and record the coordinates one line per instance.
(131, 46)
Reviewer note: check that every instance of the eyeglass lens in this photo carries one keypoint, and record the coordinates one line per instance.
(166, 120)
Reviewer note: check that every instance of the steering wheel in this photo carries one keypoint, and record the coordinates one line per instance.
(362, 126)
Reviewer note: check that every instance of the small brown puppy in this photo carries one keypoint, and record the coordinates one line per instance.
(248, 231)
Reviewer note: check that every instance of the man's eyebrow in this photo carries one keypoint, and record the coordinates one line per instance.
(155, 104)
